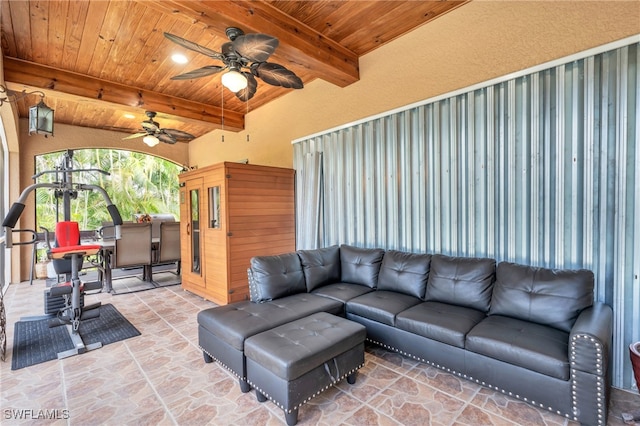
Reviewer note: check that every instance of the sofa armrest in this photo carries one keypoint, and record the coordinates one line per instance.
(252, 283)
(589, 354)
(590, 340)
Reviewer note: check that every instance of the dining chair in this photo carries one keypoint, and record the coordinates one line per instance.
(107, 231)
(169, 244)
(134, 248)
(156, 220)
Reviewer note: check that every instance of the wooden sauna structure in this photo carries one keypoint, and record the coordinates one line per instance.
(230, 212)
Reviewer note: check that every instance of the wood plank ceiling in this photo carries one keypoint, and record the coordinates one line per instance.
(97, 61)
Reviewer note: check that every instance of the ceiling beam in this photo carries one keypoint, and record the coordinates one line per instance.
(300, 45)
(71, 84)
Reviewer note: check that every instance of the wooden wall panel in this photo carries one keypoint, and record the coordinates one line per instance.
(217, 275)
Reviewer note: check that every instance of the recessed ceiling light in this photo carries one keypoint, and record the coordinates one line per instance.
(179, 58)
(127, 115)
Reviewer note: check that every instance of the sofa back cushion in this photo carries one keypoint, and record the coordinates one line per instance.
(462, 281)
(360, 265)
(320, 266)
(550, 297)
(272, 277)
(404, 273)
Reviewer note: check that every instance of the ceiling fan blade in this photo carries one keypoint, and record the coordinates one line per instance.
(248, 92)
(276, 75)
(150, 126)
(255, 47)
(117, 129)
(177, 134)
(200, 72)
(165, 137)
(193, 46)
(136, 135)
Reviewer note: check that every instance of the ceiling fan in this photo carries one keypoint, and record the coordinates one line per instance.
(244, 58)
(153, 134)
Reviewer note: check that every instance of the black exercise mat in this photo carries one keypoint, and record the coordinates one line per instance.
(34, 342)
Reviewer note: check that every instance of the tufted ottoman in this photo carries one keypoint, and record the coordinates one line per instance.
(294, 362)
(222, 330)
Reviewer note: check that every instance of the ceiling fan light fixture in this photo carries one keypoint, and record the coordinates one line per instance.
(234, 81)
(151, 140)
(179, 58)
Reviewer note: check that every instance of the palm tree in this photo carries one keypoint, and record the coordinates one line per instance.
(137, 183)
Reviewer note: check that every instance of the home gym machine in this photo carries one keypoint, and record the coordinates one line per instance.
(67, 251)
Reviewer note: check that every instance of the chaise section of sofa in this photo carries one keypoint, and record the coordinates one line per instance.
(278, 296)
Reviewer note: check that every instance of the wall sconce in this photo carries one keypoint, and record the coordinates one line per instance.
(41, 119)
(40, 116)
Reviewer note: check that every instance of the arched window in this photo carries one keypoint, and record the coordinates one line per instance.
(138, 183)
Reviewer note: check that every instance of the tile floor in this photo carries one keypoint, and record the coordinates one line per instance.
(160, 378)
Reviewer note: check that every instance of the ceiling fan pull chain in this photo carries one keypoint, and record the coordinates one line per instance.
(222, 117)
(246, 117)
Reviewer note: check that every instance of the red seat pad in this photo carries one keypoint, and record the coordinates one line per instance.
(69, 251)
(76, 248)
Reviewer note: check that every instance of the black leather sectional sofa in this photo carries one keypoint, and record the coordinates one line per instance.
(534, 334)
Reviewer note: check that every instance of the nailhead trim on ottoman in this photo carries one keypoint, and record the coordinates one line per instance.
(295, 362)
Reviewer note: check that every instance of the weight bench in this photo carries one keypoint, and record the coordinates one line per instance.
(71, 293)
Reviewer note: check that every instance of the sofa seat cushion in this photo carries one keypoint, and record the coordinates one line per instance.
(525, 344)
(342, 292)
(381, 306)
(440, 321)
(236, 322)
(320, 266)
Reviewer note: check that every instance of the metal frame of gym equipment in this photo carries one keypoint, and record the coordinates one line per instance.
(72, 312)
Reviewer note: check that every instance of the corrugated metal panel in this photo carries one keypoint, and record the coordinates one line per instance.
(543, 169)
(309, 199)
